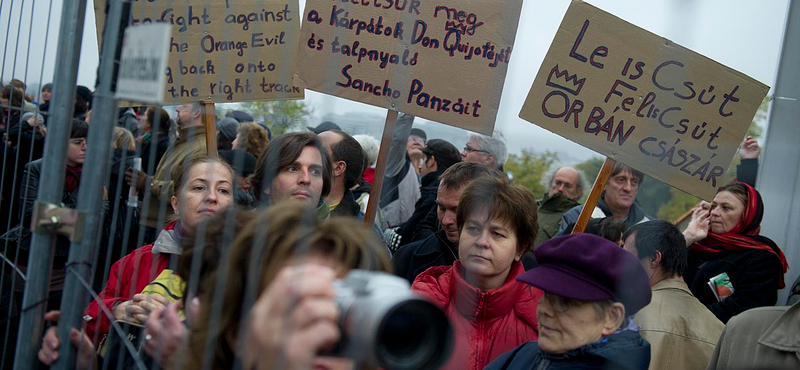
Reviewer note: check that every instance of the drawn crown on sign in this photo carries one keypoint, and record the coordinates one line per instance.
(570, 83)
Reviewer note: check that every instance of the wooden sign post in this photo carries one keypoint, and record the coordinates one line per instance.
(642, 100)
(380, 167)
(594, 195)
(210, 121)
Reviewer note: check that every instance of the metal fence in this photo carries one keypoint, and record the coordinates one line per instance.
(60, 239)
(64, 224)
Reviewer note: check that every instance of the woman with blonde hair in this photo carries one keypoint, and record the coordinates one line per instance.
(200, 187)
(123, 139)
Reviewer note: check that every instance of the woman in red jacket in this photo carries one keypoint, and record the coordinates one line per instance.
(490, 311)
(202, 187)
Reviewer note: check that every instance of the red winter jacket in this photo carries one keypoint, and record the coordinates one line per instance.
(129, 276)
(486, 325)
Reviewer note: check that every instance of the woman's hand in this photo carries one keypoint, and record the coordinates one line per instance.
(293, 320)
(750, 149)
(48, 353)
(136, 178)
(139, 308)
(165, 333)
(698, 227)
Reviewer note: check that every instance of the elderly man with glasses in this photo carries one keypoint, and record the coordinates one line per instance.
(487, 150)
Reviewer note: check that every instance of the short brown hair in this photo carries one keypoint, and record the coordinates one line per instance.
(349, 150)
(252, 137)
(15, 96)
(513, 204)
(276, 236)
(281, 153)
(163, 118)
(461, 174)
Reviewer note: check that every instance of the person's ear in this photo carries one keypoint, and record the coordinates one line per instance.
(490, 160)
(655, 260)
(339, 169)
(518, 256)
(615, 315)
(431, 163)
(174, 202)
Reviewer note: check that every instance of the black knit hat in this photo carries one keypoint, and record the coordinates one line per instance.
(445, 153)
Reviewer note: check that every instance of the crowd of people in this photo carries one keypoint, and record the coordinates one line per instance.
(233, 259)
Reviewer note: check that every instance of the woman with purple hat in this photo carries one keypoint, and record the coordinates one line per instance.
(490, 311)
(592, 290)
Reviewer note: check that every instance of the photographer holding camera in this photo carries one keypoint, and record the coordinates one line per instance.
(283, 306)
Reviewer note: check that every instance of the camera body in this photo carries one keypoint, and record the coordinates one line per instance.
(384, 324)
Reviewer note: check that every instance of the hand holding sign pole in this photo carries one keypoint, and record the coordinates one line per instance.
(642, 100)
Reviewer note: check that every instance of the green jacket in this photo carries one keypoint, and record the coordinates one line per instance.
(549, 212)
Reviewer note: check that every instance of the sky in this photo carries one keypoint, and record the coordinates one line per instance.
(745, 35)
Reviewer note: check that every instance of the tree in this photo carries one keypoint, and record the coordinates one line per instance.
(280, 115)
(529, 167)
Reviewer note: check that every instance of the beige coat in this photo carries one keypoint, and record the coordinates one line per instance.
(761, 338)
(682, 332)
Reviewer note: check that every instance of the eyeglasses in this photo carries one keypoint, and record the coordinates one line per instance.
(559, 303)
(469, 149)
(416, 139)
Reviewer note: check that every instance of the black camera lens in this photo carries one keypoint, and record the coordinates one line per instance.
(415, 334)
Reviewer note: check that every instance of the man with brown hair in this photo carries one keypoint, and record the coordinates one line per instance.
(441, 248)
(295, 165)
(347, 158)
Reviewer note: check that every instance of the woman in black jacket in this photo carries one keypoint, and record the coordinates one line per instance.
(154, 126)
(76, 152)
(731, 268)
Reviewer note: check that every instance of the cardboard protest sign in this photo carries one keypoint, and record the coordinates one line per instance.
(442, 60)
(226, 50)
(642, 100)
(145, 51)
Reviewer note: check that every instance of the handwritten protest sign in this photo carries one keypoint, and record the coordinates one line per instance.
(642, 100)
(443, 60)
(224, 50)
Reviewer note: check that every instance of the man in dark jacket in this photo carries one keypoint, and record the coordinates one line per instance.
(565, 186)
(618, 200)
(438, 156)
(348, 163)
(441, 248)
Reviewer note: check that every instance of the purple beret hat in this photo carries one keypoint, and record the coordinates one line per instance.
(587, 267)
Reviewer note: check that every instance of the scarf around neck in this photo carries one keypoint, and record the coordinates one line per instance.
(745, 234)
